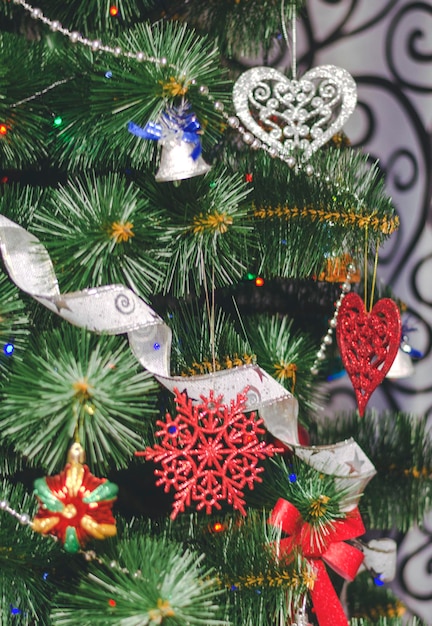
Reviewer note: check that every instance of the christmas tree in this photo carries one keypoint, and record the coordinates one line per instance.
(190, 253)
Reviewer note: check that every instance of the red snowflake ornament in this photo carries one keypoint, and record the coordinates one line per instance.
(209, 452)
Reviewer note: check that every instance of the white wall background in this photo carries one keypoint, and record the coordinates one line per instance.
(387, 46)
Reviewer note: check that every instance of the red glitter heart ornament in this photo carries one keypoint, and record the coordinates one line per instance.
(368, 343)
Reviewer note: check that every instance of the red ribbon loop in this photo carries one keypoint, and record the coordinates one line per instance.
(328, 547)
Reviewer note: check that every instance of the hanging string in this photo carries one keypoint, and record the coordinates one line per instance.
(213, 320)
(365, 267)
(374, 276)
(210, 308)
(293, 47)
(42, 92)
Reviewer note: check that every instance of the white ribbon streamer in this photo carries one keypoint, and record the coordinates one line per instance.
(116, 309)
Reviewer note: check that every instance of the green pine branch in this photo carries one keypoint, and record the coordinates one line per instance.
(31, 567)
(288, 356)
(400, 448)
(143, 581)
(25, 73)
(102, 231)
(75, 385)
(242, 28)
(207, 237)
(116, 90)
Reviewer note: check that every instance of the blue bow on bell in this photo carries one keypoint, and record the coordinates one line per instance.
(177, 125)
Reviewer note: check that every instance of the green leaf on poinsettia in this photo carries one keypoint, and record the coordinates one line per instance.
(49, 500)
(71, 543)
(105, 491)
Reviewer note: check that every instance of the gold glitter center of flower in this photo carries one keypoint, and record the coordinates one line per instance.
(69, 511)
(121, 232)
(215, 222)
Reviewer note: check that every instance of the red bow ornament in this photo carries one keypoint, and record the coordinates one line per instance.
(327, 547)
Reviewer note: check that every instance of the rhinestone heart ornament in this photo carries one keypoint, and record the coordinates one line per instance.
(295, 115)
(368, 343)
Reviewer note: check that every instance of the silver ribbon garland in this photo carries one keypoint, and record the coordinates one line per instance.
(116, 309)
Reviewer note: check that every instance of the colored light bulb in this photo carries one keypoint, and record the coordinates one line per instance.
(113, 11)
(259, 282)
(3, 129)
(8, 349)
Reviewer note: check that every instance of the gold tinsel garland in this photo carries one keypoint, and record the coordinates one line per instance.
(386, 225)
(207, 366)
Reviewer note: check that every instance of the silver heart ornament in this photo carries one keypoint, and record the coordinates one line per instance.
(295, 115)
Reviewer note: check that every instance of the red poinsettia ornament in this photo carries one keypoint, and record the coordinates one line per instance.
(368, 343)
(75, 505)
(209, 452)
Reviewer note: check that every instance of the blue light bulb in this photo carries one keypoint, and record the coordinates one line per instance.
(8, 349)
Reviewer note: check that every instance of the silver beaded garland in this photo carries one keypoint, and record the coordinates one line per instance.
(248, 138)
(232, 121)
(95, 45)
(327, 340)
(23, 518)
